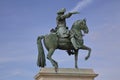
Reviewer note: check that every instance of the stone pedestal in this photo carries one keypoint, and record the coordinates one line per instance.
(65, 74)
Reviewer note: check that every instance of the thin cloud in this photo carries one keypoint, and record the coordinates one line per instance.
(81, 5)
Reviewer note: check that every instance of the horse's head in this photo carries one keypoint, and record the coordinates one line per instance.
(81, 25)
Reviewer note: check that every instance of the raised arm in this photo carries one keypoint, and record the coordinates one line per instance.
(69, 14)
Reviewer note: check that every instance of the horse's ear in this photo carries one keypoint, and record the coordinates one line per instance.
(85, 19)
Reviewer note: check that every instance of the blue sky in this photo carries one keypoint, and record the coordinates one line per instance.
(21, 21)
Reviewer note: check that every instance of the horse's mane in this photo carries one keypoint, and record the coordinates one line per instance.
(76, 23)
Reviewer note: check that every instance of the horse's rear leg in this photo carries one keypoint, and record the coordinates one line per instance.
(49, 57)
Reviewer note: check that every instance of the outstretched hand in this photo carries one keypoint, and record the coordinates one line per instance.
(75, 12)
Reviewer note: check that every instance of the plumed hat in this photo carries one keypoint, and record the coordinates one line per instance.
(61, 11)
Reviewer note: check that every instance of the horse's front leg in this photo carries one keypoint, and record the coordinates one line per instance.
(76, 59)
(53, 62)
(89, 51)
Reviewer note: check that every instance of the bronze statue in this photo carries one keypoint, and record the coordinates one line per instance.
(64, 39)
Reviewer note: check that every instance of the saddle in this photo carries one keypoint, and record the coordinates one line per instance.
(63, 40)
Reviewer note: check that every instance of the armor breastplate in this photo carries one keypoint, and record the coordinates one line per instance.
(61, 22)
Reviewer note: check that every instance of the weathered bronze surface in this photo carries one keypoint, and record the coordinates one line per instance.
(63, 38)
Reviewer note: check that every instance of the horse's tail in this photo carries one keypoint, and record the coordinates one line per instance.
(41, 61)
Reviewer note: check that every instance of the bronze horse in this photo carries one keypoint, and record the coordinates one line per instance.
(53, 42)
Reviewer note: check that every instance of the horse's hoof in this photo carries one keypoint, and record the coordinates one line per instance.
(56, 70)
(76, 67)
(86, 58)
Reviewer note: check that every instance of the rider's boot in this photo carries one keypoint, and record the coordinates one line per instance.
(74, 43)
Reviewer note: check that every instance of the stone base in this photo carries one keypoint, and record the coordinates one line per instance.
(65, 74)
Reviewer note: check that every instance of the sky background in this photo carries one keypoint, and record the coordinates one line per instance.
(22, 21)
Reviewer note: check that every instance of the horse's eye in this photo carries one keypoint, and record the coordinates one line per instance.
(83, 23)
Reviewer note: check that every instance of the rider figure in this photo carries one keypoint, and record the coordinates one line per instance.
(62, 29)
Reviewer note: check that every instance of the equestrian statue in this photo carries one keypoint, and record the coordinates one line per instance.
(64, 39)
